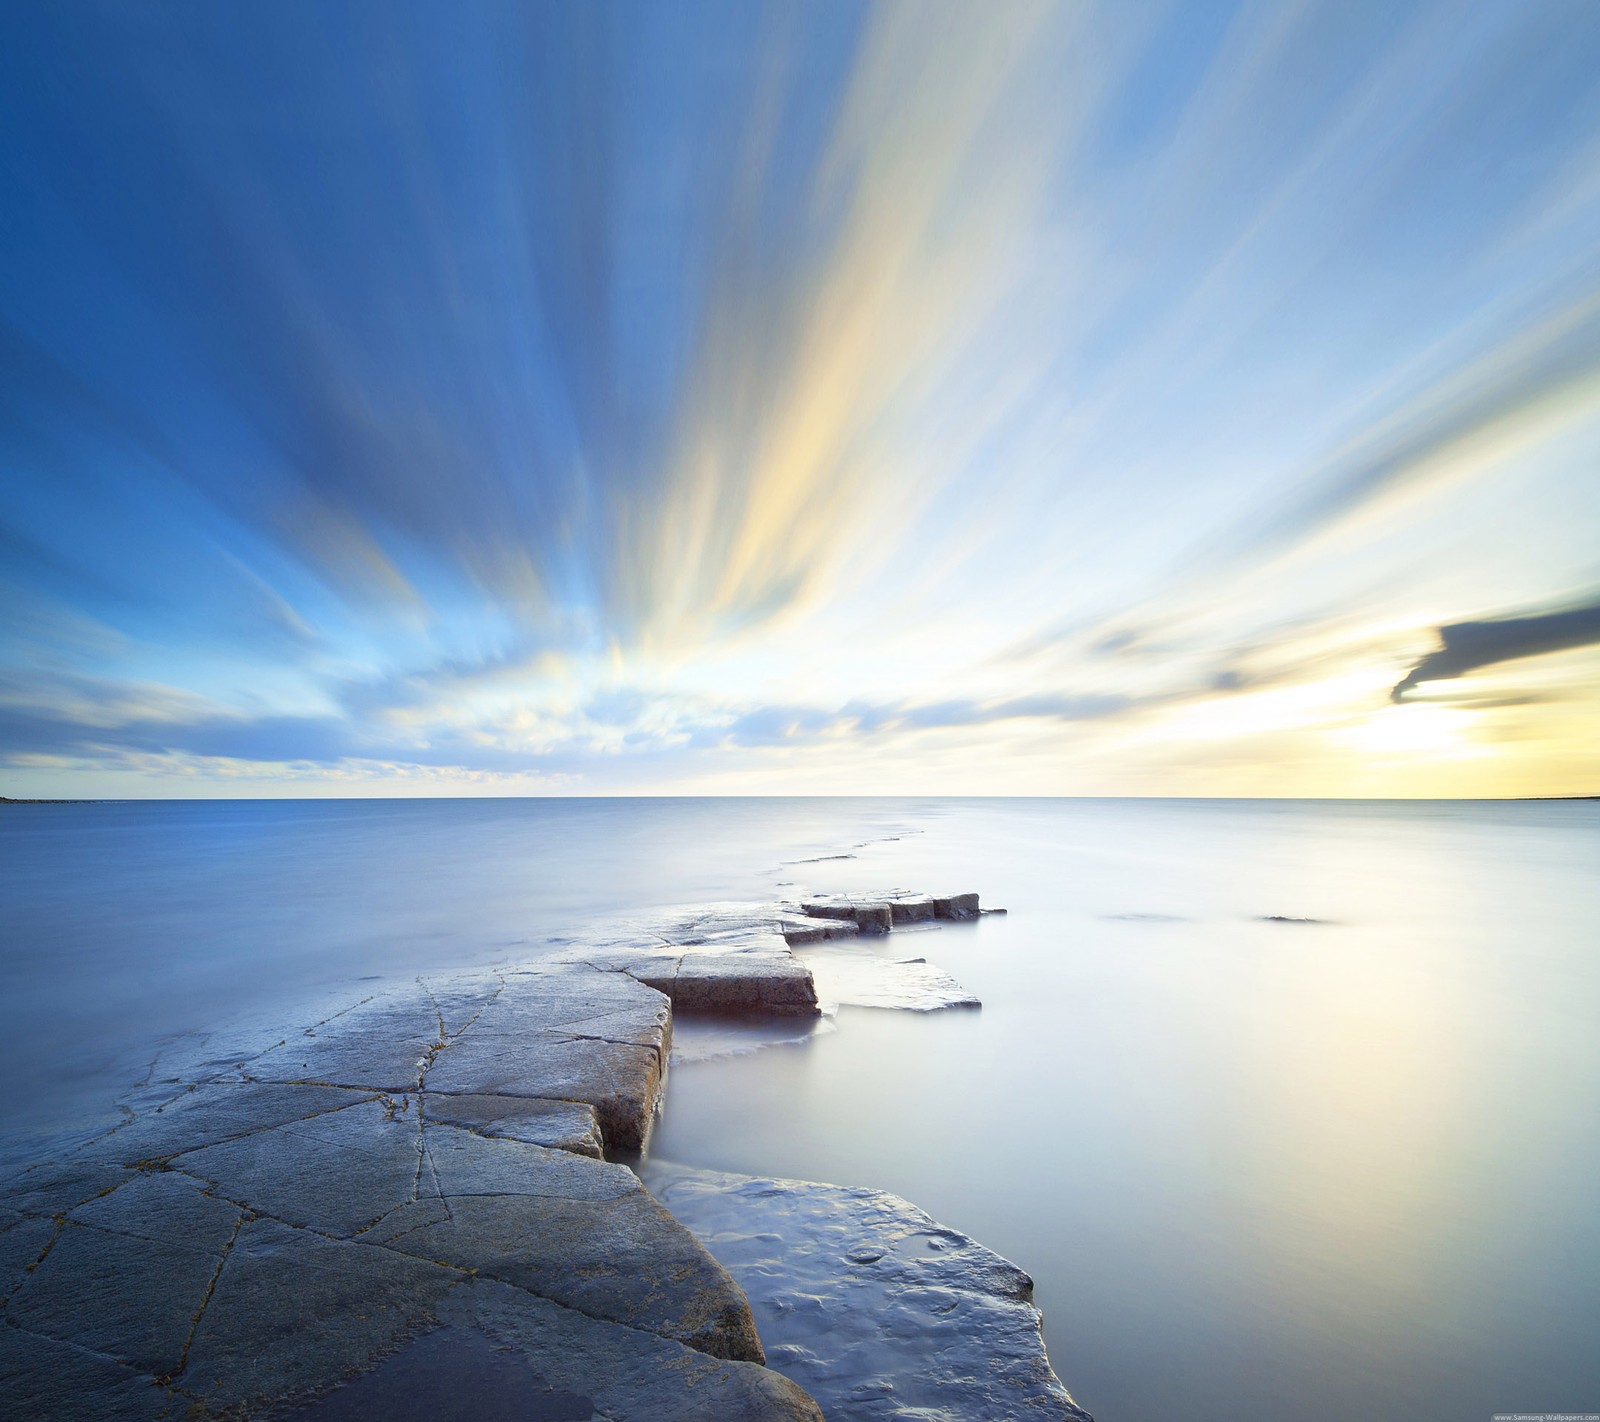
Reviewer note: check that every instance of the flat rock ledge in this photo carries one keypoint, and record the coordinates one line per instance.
(877, 1310)
(410, 1199)
(878, 913)
(782, 959)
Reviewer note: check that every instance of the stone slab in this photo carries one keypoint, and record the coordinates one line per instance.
(853, 978)
(878, 1311)
(561, 1125)
(627, 1376)
(336, 1173)
(213, 1112)
(758, 981)
(622, 1082)
(294, 1313)
(800, 931)
(42, 1378)
(127, 1298)
(621, 1258)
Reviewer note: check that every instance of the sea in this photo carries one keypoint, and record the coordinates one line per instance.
(1290, 1108)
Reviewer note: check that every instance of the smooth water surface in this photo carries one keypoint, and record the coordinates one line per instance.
(1261, 1170)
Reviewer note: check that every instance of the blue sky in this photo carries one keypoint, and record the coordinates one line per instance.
(500, 398)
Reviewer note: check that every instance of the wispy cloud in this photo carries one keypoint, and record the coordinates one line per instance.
(625, 391)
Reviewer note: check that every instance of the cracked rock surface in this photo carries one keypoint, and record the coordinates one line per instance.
(410, 1200)
(429, 1158)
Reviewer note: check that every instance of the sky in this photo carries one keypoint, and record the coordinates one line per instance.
(1102, 399)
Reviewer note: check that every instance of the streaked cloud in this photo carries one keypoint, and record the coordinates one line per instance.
(1036, 396)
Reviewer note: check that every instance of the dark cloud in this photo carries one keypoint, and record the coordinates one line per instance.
(1466, 646)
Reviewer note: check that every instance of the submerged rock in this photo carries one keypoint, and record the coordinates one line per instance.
(848, 978)
(875, 1309)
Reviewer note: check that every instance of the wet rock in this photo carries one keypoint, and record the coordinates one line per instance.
(55, 1186)
(43, 1378)
(127, 1274)
(799, 931)
(851, 978)
(910, 908)
(383, 1045)
(871, 1306)
(754, 981)
(280, 1233)
(957, 906)
(23, 1242)
(263, 1224)
(868, 915)
(294, 1312)
(622, 1082)
(561, 1125)
(626, 1375)
(619, 1257)
(588, 1036)
(214, 1112)
(335, 1173)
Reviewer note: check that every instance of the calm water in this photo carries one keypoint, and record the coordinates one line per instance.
(1260, 1170)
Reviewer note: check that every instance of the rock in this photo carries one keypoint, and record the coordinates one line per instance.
(622, 1082)
(797, 932)
(214, 1112)
(294, 1312)
(127, 1273)
(279, 1233)
(43, 1378)
(723, 958)
(383, 1045)
(501, 1353)
(337, 1173)
(622, 1258)
(869, 915)
(751, 979)
(53, 1187)
(561, 1125)
(871, 1306)
(910, 908)
(851, 978)
(957, 906)
(829, 908)
(588, 1036)
(773, 984)
(266, 1223)
(23, 1242)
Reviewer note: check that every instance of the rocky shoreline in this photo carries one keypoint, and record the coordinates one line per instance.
(426, 1182)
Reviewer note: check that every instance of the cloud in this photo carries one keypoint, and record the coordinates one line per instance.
(1470, 645)
(788, 725)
